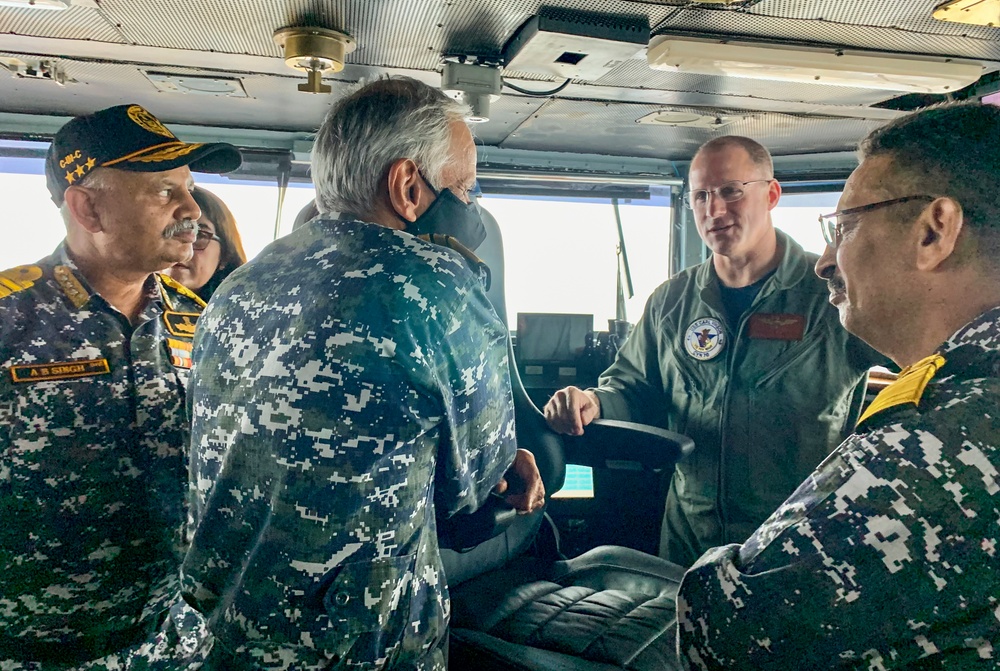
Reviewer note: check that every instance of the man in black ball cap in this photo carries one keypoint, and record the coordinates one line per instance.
(94, 359)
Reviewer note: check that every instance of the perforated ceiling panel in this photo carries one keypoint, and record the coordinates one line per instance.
(75, 23)
(402, 34)
(612, 130)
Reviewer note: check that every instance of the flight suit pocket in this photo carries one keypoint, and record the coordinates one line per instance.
(789, 416)
(372, 596)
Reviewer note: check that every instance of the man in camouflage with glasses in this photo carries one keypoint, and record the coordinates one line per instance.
(885, 557)
(741, 353)
(95, 351)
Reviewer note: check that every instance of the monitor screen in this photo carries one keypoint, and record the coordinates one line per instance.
(544, 337)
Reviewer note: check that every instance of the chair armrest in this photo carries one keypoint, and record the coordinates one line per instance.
(610, 443)
(460, 531)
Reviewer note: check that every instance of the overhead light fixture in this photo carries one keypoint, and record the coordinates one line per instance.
(475, 85)
(831, 66)
(37, 4)
(314, 51)
(975, 12)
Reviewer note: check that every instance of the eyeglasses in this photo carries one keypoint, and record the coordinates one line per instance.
(833, 224)
(205, 236)
(729, 192)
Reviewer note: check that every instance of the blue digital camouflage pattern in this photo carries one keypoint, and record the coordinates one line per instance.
(348, 382)
(886, 556)
(93, 479)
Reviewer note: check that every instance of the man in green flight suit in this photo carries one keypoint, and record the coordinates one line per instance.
(741, 353)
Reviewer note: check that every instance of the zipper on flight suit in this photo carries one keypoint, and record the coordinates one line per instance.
(764, 292)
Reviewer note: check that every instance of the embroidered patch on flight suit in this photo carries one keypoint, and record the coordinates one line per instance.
(704, 339)
(180, 352)
(59, 370)
(776, 326)
(180, 324)
(18, 279)
(908, 387)
(71, 286)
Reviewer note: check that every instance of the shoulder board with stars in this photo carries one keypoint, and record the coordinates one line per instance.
(71, 286)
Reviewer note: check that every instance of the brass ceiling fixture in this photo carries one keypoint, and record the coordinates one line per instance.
(314, 51)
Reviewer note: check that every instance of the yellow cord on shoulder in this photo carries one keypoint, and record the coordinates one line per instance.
(908, 388)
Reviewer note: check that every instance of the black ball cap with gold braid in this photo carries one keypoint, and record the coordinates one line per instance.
(127, 137)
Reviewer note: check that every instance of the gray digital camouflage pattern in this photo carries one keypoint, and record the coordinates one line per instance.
(886, 556)
(93, 479)
(348, 382)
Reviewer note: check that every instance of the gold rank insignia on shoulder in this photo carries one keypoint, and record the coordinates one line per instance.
(180, 324)
(168, 281)
(18, 279)
(907, 389)
(71, 286)
(59, 370)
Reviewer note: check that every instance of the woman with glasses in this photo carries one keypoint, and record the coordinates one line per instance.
(218, 249)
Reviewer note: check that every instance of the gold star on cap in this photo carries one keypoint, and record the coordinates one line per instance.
(69, 177)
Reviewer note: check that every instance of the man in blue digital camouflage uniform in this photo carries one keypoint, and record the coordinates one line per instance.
(886, 557)
(742, 353)
(95, 348)
(351, 383)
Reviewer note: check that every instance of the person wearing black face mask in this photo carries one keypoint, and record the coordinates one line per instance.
(380, 403)
(448, 215)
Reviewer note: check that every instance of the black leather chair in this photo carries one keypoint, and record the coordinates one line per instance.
(516, 602)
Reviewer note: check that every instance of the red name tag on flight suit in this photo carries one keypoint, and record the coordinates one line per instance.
(777, 326)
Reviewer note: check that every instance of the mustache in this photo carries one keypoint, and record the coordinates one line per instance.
(179, 227)
(836, 285)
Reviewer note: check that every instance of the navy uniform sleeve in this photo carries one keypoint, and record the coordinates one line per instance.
(470, 375)
(885, 557)
(631, 389)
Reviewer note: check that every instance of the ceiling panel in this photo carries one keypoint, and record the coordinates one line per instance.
(612, 130)
(274, 102)
(75, 23)
(506, 115)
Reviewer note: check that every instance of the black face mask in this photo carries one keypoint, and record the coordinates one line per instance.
(448, 215)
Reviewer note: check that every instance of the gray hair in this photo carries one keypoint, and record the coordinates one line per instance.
(366, 131)
(759, 155)
(97, 179)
